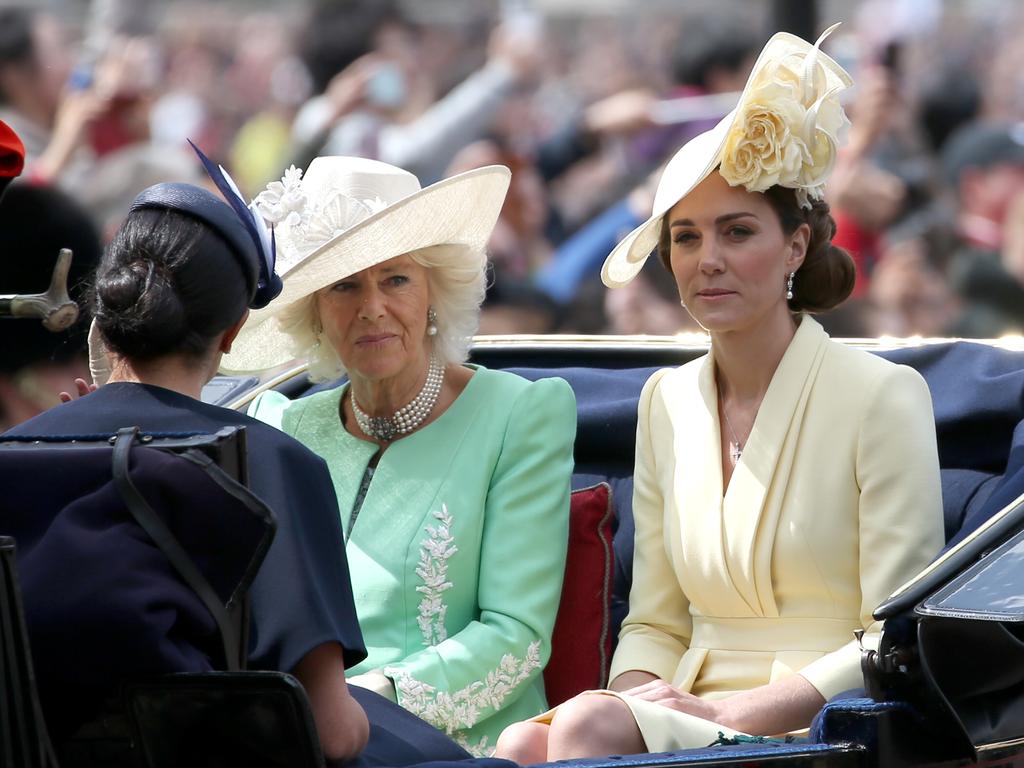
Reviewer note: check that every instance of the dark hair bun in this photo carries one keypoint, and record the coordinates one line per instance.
(139, 310)
(168, 284)
(827, 275)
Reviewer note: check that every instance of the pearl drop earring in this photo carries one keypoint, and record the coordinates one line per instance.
(789, 287)
(431, 322)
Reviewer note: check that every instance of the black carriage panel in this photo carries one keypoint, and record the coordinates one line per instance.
(135, 553)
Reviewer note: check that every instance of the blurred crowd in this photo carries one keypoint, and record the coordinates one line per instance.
(584, 107)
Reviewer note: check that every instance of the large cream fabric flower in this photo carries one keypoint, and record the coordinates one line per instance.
(787, 128)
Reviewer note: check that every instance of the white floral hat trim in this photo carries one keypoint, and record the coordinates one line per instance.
(785, 131)
(305, 227)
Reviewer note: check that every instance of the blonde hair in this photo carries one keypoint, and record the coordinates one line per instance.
(456, 280)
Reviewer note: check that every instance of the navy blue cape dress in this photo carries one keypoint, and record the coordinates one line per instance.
(300, 598)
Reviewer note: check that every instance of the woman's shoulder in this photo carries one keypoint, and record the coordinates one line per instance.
(678, 380)
(867, 385)
(504, 384)
(269, 407)
(279, 411)
(865, 371)
(501, 399)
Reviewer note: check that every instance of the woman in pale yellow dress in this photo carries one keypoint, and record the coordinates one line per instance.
(784, 484)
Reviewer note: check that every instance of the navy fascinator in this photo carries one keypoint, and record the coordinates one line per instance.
(268, 283)
(201, 204)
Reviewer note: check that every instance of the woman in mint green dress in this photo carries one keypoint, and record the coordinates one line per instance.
(452, 480)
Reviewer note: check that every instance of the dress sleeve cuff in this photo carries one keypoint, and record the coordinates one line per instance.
(658, 656)
(835, 672)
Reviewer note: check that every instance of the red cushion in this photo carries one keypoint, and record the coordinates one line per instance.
(581, 645)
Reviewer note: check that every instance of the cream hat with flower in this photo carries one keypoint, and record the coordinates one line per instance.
(346, 214)
(785, 130)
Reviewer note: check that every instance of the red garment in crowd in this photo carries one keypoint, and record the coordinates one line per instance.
(863, 247)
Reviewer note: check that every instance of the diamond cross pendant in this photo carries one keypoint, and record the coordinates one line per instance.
(735, 451)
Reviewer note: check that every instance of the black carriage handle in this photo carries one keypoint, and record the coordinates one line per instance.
(162, 536)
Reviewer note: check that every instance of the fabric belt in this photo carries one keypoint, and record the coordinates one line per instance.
(771, 634)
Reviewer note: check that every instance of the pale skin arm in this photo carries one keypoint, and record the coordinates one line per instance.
(785, 705)
(340, 721)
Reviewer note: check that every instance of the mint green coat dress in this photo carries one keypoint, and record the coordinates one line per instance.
(458, 551)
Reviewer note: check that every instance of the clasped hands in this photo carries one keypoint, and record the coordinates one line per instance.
(660, 692)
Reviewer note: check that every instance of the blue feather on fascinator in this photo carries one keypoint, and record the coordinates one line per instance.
(268, 285)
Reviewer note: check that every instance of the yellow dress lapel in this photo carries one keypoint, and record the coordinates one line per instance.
(753, 502)
(699, 543)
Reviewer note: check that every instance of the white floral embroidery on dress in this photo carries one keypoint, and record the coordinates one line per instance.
(453, 711)
(481, 748)
(435, 551)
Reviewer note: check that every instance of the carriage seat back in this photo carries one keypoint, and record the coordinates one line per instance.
(130, 572)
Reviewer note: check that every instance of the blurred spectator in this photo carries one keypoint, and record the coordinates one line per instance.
(909, 292)
(34, 69)
(118, 178)
(518, 245)
(711, 57)
(621, 114)
(949, 102)
(984, 162)
(866, 197)
(36, 365)
(580, 257)
(649, 304)
(581, 105)
(271, 84)
(585, 313)
(87, 131)
(514, 306)
(361, 110)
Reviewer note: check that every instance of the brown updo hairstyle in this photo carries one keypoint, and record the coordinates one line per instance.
(825, 279)
(167, 284)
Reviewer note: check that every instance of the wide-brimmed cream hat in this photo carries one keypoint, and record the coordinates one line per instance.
(785, 130)
(346, 214)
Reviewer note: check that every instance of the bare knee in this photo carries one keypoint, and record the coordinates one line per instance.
(593, 725)
(525, 743)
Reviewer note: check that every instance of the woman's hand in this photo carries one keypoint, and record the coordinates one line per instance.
(788, 704)
(660, 692)
(84, 388)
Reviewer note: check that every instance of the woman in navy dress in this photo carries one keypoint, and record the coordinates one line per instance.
(170, 295)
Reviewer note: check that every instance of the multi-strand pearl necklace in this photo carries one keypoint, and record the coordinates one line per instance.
(409, 416)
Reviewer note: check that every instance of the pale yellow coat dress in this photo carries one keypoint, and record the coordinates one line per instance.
(834, 503)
